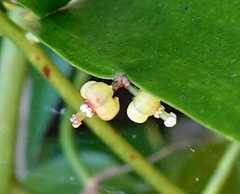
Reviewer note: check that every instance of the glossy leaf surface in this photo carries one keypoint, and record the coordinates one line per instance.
(184, 52)
(43, 7)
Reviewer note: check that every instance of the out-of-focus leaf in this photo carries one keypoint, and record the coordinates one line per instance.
(57, 177)
(53, 171)
(192, 168)
(44, 102)
(186, 53)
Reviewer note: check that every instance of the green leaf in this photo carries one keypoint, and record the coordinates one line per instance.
(43, 7)
(196, 168)
(58, 178)
(184, 52)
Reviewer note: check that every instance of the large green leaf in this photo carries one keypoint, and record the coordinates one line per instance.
(184, 52)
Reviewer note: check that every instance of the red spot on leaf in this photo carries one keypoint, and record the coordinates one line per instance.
(132, 157)
(46, 71)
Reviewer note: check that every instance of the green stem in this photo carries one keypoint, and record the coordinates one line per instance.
(12, 75)
(133, 90)
(67, 138)
(40, 61)
(18, 189)
(147, 171)
(223, 169)
(70, 95)
(70, 150)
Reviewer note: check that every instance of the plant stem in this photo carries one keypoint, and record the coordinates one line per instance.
(12, 75)
(133, 90)
(17, 189)
(70, 150)
(109, 135)
(223, 169)
(40, 61)
(67, 138)
(147, 171)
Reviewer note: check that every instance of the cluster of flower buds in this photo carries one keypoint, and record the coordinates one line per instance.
(99, 101)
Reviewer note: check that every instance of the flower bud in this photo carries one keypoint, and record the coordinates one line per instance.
(143, 106)
(99, 96)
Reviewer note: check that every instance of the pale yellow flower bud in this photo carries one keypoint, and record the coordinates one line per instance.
(143, 106)
(99, 96)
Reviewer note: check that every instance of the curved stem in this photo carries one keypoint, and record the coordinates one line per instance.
(223, 169)
(12, 75)
(102, 129)
(69, 148)
(67, 138)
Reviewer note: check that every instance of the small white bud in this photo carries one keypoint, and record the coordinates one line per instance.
(171, 121)
(75, 121)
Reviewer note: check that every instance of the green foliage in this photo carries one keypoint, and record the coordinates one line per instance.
(183, 52)
(43, 7)
(53, 171)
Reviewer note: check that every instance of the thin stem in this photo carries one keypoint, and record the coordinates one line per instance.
(148, 172)
(223, 169)
(94, 182)
(109, 135)
(67, 138)
(70, 150)
(12, 75)
(133, 90)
